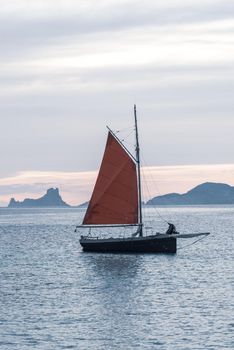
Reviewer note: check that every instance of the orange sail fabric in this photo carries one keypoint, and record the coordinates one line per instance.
(115, 195)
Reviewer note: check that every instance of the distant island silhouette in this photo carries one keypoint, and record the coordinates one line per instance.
(52, 198)
(205, 194)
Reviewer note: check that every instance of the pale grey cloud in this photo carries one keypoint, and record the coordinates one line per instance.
(27, 27)
(69, 68)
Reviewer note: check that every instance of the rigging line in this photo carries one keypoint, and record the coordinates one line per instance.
(188, 245)
(149, 194)
(151, 176)
(124, 129)
(144, 195)
(155, 185)
(132, 144)
(171, 202)
(154, 207)
(128, 135)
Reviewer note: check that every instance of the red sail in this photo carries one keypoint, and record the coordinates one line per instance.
(115, 196)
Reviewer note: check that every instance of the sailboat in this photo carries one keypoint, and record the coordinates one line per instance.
(116, 202)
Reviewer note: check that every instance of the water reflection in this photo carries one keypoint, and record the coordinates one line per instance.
(56, 297)
(116, 278)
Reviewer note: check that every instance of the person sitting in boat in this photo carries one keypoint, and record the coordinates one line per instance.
(171, 229)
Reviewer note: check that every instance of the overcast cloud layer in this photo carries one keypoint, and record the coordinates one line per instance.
(70, 67)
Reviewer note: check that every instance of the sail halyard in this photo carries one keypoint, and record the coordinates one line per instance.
(138, 175)
(120, 142)
(115, 196)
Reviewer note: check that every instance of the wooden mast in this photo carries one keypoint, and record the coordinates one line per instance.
(138, 174)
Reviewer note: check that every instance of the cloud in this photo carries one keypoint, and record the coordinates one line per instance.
(30, 29)
(69, 68)
(98, 61)
(85, 17)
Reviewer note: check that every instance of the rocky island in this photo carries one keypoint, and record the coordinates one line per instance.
(52, 198)
(208, 193)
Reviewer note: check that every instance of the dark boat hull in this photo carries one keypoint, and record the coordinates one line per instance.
(149, 244)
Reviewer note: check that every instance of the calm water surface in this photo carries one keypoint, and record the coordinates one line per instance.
(53, 296)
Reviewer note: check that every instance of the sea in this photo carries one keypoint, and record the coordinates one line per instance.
(54, 296)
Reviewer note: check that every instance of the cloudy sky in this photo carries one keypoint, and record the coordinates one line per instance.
(69, 67)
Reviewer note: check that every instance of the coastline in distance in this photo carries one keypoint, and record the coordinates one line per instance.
(208, 193)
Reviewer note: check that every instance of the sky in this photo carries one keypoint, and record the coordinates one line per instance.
(69, 68)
